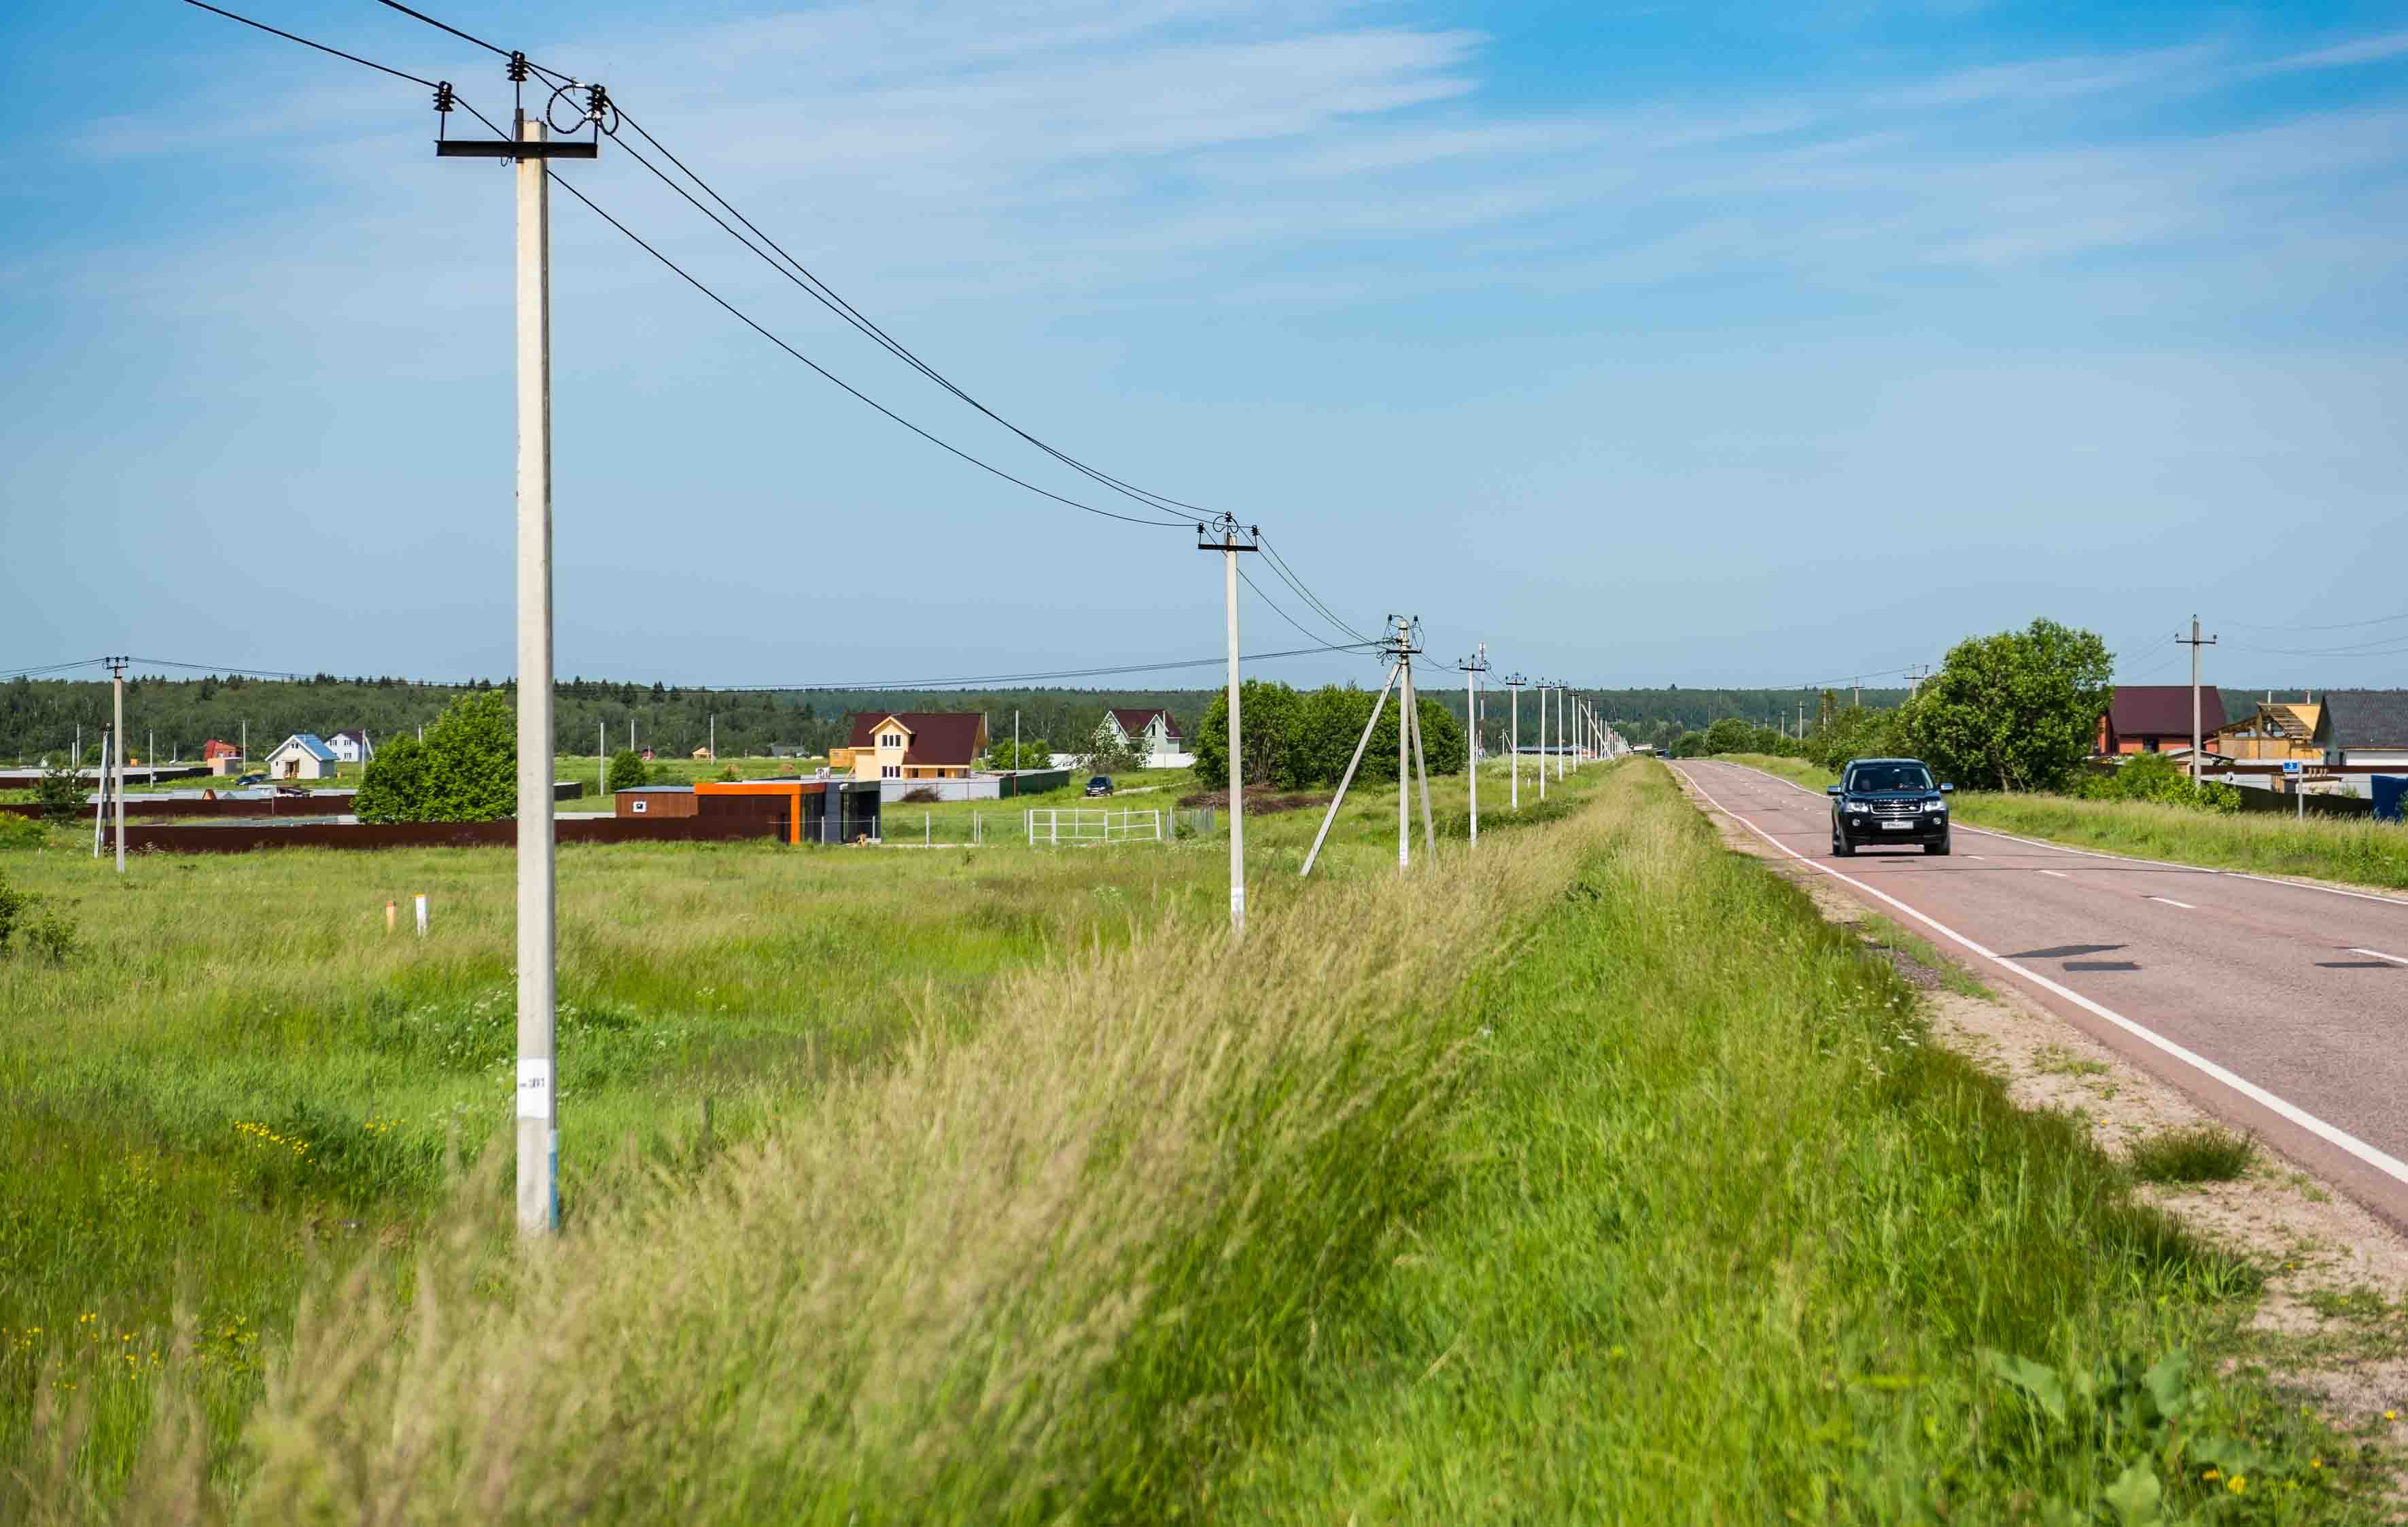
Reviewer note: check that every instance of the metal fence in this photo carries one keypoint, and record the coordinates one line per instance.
(1079, 825)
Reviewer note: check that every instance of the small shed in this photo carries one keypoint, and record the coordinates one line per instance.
(654, 801)
(303, 755)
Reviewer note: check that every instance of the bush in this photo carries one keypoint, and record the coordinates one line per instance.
(15, 906)
(61, 793)
(923, 795)
(2155, 777)
(627, 771)
(52, 936)
(18, 832)
(393, 787)
(728, 775)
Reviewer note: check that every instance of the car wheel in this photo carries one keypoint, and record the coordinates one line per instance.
(1841, 846)
(1939, 848)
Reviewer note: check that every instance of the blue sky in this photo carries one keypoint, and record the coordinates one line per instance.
(1709, 344)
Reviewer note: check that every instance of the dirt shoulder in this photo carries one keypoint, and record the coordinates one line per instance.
(2330, 1322)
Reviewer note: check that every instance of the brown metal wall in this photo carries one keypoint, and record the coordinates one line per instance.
(718, 827)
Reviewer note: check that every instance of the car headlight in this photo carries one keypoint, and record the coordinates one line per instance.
(1935, 806)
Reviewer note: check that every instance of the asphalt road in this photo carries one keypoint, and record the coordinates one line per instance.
(2279, 1007)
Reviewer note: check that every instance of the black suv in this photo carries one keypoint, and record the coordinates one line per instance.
(1887, 800)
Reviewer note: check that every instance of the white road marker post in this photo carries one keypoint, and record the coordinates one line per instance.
(418, 909)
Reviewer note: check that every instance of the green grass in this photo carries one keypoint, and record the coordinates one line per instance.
(1887, 932)
(1594, 1179)
(1731, 1243)
(2199, 1153)
(2359, 852)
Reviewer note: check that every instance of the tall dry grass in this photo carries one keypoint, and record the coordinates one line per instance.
(1049, 1269)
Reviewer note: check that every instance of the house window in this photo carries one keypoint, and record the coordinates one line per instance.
(890, 771)
(890, 740)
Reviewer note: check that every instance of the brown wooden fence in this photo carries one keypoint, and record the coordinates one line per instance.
(732, 826)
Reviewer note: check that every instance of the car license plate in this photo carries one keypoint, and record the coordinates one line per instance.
(1895, 826)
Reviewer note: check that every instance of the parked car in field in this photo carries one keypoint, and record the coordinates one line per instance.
(1887, 800)
(251, 779)
(1100, 785)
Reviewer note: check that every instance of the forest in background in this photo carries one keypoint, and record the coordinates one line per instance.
(40, 717)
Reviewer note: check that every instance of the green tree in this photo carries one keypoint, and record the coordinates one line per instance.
(393, 788)
(1443, 738)
(472, 755)
(2018, 710)
(626, 770)
(1267, 722)
(1730, 735)
(1036, 753)
(1110, 752)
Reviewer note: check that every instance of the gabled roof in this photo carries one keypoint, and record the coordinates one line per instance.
(1134, 721)
(935, 736)
(354, 733)
(2163, 710)
(2366, 718)
(310, 743)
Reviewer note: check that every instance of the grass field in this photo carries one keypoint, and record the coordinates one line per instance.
(1595, 1178)
(2359, 852)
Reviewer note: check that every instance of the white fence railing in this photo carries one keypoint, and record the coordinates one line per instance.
(1077, 825)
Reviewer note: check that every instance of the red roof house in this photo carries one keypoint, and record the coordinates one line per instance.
(2155, 718)
(912, 745)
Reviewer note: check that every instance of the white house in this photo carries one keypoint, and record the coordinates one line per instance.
(352, 747)
(303, 755)
(1155, 733)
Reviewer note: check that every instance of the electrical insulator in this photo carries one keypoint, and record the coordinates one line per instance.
(444, 99)
(597, 100)
(518, 68)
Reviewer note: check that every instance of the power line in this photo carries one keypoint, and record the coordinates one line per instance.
(803, 277)
(364, 63)
(1300, 630)
(827, 297)
(855, 393)
(52, 669)
(1287, 574)
(639, 242)
(2343, 625)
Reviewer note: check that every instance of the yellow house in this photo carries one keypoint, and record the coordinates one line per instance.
(912, 745)
(2273, 729)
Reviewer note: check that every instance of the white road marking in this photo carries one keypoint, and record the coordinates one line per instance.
(2129, 859)
(2171, 902)
(2059, 872)
(2390, 1166)
(2378, 954)
(1968, 856)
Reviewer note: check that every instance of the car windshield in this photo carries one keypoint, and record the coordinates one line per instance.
(1890, 777)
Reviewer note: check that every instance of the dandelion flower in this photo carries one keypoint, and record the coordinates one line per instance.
(2238, 1483)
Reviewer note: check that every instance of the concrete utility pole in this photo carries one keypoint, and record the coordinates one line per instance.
(1404, 745)
(1352, 765)
(117, 684)
(1542, 686)
(714, 735)
(2194, 641)
(1563, 726)
(1471, 672)
(1229, 545)
(538, 1121)
(530, 151)
(1514, 685)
